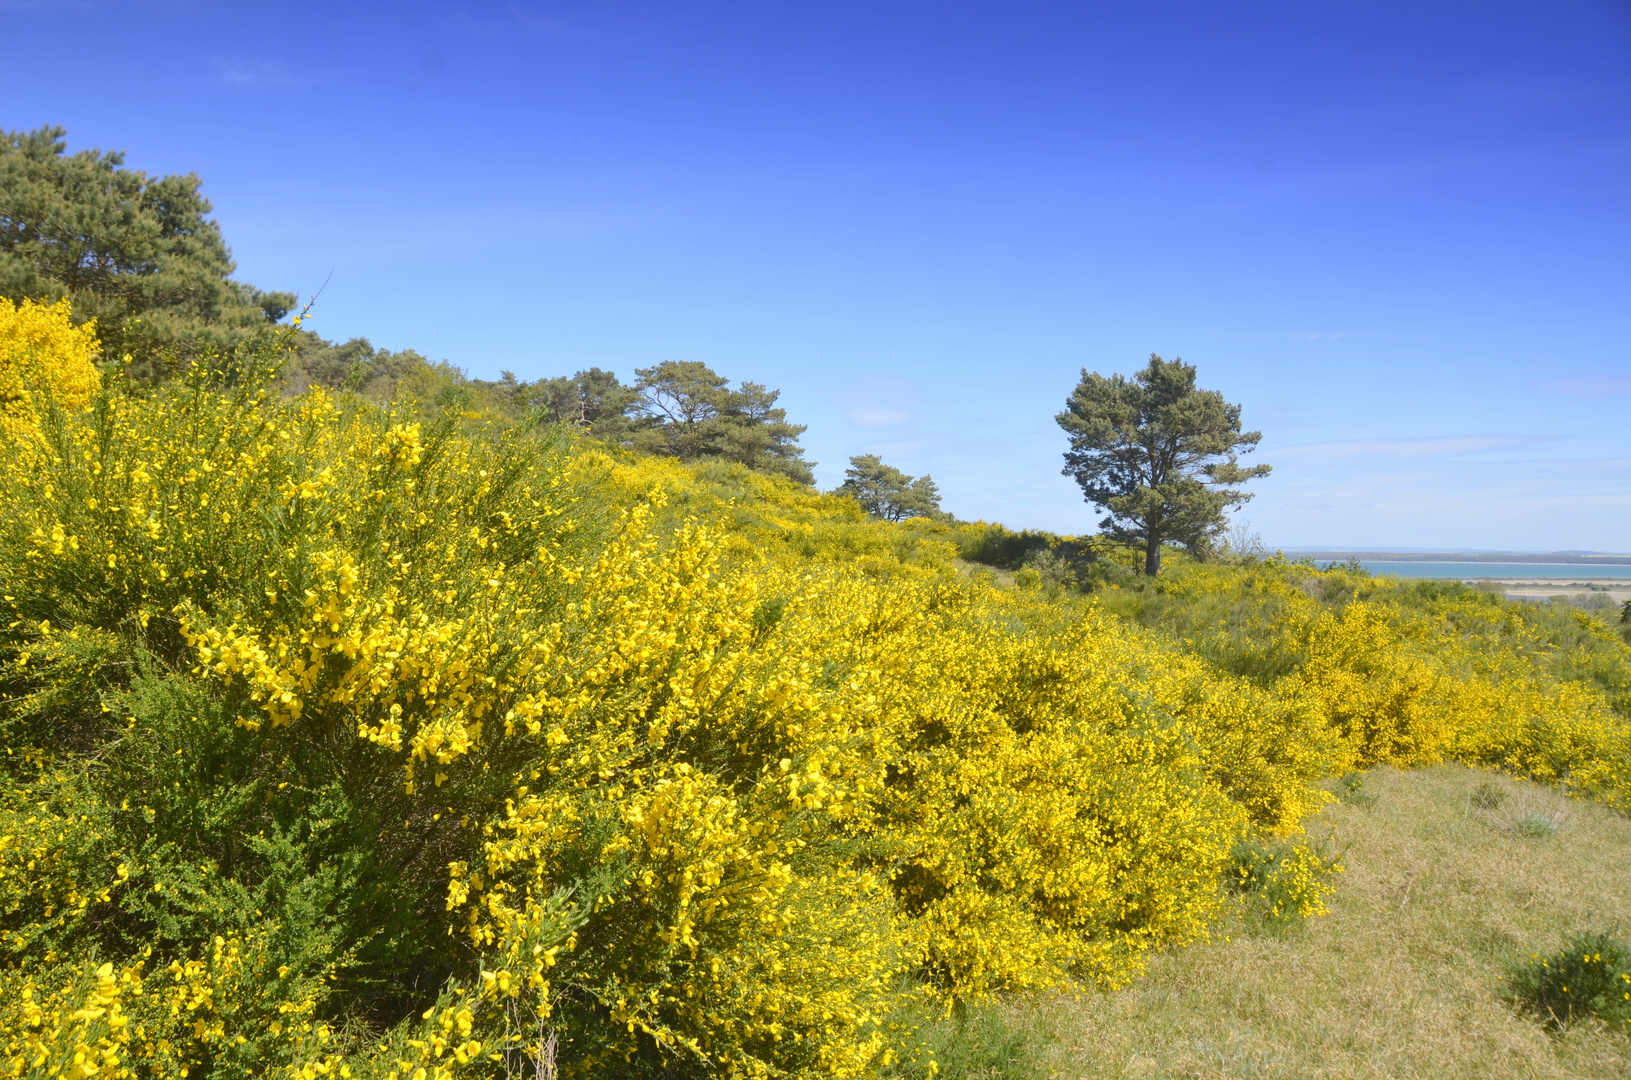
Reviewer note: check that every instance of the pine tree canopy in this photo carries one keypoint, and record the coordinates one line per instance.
(888, 493)
(1158, 455)
(136, 253)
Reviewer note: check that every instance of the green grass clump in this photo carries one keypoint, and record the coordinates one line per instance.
(1351, 790)
(1488, 797)
(1536, 826)
(1591, 976)
(992, 1041)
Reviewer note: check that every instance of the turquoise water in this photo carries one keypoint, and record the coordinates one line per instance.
(1521, 571)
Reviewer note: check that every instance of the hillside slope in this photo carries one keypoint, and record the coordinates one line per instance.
(409, 739)
(1403, 978)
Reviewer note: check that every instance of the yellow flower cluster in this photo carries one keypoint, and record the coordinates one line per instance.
(170, 1023)
(42, 886)
(77, 1031)
(45, 361)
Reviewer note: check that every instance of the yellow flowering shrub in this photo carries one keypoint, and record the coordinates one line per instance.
(389, 742)
(1409, 673)
(53, 860)
(44, 360)
(1283, 882)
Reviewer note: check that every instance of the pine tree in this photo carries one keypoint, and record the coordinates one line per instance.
(1158, 455)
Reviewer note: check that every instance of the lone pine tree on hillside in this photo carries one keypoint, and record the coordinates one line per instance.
(684, 409)
(1158, 455)
(888, 493)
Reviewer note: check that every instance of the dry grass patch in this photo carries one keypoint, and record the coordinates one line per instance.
(1446, 886)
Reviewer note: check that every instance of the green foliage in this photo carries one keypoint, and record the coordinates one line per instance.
(359, 367)
(1052, 572)
(593, 400)
(1589, 977)
(1536, 826)
(1049, 561)
(1488, 796)
(1279, 882)
(996, 546)
(683, 409)
(976, 1042)
(887, 493)
(1158, 455)
(680, 410)
(1351, 789)
(134, 252)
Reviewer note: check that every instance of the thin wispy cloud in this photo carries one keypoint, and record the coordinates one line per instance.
(878, 402)
(877, 416)
(251, 74)
(1599, 386)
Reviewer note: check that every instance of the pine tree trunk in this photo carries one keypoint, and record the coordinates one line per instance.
(1152, 556)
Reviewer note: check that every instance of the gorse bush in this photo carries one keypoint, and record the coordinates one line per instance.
(1590, 977)
(393, 742)
(46, 362)
(320, 708)
(1281, 882)
(1412, 672)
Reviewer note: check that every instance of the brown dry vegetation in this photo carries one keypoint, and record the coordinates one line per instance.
(1402, 979)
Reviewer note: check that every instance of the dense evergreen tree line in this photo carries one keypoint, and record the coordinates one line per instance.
(140, 255)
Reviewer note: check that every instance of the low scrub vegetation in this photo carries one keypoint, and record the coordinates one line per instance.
(1411, 972)
(1589, 977)
(405, 741)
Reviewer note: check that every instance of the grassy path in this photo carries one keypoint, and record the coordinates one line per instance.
(1401, 979)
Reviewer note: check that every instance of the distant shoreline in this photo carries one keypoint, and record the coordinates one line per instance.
(1453, 557)
(1616, 589)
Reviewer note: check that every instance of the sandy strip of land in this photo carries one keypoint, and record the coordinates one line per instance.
(1537, 588)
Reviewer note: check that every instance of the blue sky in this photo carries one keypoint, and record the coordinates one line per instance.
(1398, 234)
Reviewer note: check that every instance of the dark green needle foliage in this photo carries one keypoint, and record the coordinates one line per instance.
(684, 409)
(1158, 455)
(888, 493)
(137, 253)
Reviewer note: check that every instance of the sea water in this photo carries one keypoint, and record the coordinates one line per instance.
(1525, 571)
